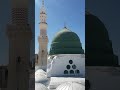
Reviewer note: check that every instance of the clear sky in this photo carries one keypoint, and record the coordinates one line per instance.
(71, 12)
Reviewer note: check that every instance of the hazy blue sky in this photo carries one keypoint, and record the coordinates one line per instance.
(58, 12)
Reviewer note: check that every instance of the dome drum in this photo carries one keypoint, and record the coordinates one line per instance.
(67, 51)
(65, 45)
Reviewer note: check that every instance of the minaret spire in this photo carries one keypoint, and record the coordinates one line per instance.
(43, 39)
(42, 2)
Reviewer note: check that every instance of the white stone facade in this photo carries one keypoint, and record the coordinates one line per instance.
(67, 65)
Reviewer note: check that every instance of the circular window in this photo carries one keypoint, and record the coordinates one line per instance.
(74, 66)
(71, 72)
(68, 67)
(70, 61)
(77, 71)
(65, 72)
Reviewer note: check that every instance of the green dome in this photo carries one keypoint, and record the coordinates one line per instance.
(66, 42)
(99, 49)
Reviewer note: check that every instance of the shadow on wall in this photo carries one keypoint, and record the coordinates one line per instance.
(99, 51)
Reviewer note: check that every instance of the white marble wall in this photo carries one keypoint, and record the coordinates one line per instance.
(57, 65)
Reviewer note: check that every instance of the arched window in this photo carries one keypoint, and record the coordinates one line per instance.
(42, 50)
(70, 61)
(18, 59)
(71, 72)
(65, 72)
(37, 56)
(6, 74)
(68, 66)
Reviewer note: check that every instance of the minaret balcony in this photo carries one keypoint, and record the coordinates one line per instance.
(43, 13)
(42, 23)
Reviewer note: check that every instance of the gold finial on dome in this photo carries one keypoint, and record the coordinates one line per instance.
(65, 25)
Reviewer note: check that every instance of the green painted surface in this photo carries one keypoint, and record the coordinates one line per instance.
(66, 42)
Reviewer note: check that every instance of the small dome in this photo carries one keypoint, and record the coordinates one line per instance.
(39, 86)
(66, 42)
(71, 86)
(40, 76)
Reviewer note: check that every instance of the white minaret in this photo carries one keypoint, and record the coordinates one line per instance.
(43, 39)
(19, 35)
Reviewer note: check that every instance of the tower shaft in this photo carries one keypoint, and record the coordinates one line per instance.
(43, 39)
(19, 35)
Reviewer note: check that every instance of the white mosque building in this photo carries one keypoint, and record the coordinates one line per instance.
(63, 67)
(66, 56)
